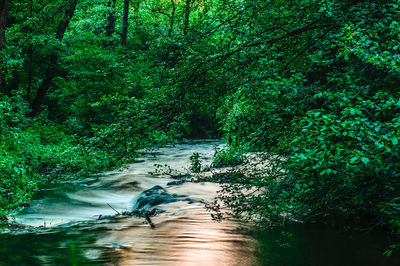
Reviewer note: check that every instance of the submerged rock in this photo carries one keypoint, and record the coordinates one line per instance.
(155, 196)
(176, 183)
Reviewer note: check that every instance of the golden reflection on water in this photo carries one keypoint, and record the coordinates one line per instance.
(191, 240)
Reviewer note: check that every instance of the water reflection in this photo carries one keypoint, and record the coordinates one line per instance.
(193, 239)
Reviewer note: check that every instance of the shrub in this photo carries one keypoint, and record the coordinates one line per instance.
(229, 156)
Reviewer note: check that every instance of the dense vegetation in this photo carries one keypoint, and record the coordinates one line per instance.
(314, 84)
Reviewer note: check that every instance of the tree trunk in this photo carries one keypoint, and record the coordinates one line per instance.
(172, 19)
(110, 28)
(30, 66)
(124, 32)
(51, 69)
(3, 25)
(187, 15)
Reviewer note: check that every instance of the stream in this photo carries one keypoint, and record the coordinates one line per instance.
(67, 229)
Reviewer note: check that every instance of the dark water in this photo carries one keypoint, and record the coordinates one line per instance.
(71, 234)
(322, 245)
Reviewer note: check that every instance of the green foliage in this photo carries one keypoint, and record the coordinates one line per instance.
(195, 163)
(229, 156)
(345, 158)
(15, 183)
(323, 107)
(36, 150)
(14, 174)
(135, 124)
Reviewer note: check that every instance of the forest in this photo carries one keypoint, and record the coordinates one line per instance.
(312, 86)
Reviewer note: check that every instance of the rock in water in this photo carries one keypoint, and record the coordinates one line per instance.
(156, 195)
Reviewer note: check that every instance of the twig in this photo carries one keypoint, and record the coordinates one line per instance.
(113, 209)
(150, 222)
(147, 215)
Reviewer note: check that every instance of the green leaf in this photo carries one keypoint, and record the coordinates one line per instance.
(365, 160)
(354, 159)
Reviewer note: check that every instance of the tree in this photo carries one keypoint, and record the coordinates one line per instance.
(172, 18)
(187, 15)
(3, 25)
(125, 23)
(52, 66)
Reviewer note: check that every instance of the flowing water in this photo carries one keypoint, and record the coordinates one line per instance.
(67, 229)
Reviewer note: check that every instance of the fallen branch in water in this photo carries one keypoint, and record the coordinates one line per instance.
(147, 215)
(114, 209)
(150, 222)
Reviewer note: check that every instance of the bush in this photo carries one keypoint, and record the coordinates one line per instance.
(16, 183)
(36, 150)
(347, 163)
(195, 163)
(342, 166)
(229, 156)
